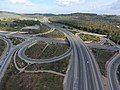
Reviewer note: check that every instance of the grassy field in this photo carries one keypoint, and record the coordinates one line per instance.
(55, 34)
(42, 29)
(86, 37)
(59, 66)
(17, 24)
(13, 80)
(102, 56)
(73, 31)
(106, 25)
(37, 51)
(2, 46)
(40, 81)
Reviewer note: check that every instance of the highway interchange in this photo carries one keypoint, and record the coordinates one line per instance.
(83, 72)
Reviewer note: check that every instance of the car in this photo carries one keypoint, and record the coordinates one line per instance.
(87, 61)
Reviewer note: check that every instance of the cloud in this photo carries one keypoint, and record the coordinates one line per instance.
(25, 2)
(68, 2)
(115, 5)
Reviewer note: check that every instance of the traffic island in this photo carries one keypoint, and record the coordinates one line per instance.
(3, 46)
(102, 57)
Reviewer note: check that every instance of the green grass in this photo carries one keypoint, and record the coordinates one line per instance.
(86, 37)
(17, 24)
(91, 23)
(55, 34)
(73, 31)
(42, 29)
(102, 56)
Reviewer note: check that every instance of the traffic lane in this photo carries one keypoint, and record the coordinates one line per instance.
(112, 69)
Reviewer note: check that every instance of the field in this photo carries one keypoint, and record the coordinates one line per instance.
(86, 37)
(55, 34)
(43, 51)
(59, 66)
(16, 24)
(102, 56)
(42, 29)
(2, 46)
(94, 23)
(14, 80)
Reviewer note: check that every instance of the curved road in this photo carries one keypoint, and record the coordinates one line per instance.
(83, 72)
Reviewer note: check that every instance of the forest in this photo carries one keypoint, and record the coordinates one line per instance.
(101, 24)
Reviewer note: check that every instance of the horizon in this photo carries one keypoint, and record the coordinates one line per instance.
(100, 7)
(58, 14)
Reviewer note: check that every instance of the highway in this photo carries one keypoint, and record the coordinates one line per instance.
(83, 71)
(6, 57)
(112, 73)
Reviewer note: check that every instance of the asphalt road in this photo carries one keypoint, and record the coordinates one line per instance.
(83, 72)
(21, 54)
(111, 72)
(6, 58)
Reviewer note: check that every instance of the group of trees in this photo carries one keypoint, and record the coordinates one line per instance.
(91, 23)
(23, 23)
(17, 24)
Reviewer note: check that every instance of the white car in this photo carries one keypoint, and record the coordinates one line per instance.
(87, 61)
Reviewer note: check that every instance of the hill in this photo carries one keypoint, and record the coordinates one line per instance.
(101, 24)
(8, 14)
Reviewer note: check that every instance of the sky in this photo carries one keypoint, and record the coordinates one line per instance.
(61, 6)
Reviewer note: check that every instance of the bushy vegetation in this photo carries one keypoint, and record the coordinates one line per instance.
(58, 66)
(42, 29)
(92, 23)
(13, 80)
(73, 31)
(16, 25)
(11, 71)
(2, 46)
(15, 40)
(86, 37)
(52, 50)
(35, 51)
(30, 81)
(20, 63)
(102, 56)
(55, 34)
